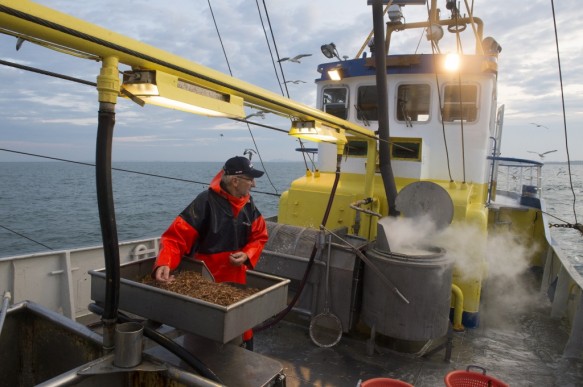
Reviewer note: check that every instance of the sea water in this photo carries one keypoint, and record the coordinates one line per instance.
(53, 205)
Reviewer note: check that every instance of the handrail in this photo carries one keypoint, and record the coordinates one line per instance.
(516, 160)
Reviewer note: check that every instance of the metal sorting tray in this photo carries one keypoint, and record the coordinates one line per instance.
(212, 321)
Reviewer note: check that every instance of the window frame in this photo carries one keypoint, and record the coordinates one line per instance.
(429, 103)
(476, 103)
(346, 103)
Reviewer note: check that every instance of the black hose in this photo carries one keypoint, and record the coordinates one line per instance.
(106, 122)
(167, 343)
(383, 107)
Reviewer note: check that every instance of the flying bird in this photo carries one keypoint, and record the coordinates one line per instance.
(249, 152)
(542, 155)
(260, 113)
(538, 125)
(295, 82)
(295, 59)
(19, 43)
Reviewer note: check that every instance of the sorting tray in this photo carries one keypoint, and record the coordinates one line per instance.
(212, 321)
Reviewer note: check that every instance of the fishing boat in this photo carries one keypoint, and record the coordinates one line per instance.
(412, 255)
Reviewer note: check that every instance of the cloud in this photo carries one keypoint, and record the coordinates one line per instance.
(528, 77)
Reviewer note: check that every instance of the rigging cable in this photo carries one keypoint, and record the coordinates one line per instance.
(115, 169)
(220, 39)
(44, 72)
(25, 237)
(275, 47)
(433, 56)
(284, 83)
(441, 117)
(564, 114)
(280, 83)
(124, 170)
(248, 126)
(460, 50)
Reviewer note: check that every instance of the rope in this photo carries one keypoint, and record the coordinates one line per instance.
(24, 236)
(280, 83)
(460, 50)
(283, 84)
(219, 35)
(564, 114)
(433, 48)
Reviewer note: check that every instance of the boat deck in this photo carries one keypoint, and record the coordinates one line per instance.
(522, 349)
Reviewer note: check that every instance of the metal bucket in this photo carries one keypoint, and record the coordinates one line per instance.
(424, 277)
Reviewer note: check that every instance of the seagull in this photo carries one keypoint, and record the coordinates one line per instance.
(260, 113)
(295, 59)
(19, 43)
(538, 125)
(542, 155)
(249, 152)
(295, 82)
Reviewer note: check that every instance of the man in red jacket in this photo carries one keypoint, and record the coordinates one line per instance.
(221, 227)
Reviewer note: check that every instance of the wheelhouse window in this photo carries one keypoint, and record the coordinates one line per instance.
(356, 148)
(367, 108)
(413, 103)
(406, 148)
(460, 103)
(335, 101)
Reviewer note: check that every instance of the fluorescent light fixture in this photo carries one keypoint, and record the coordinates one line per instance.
(162, 89)
(317, 132)
(336, 73)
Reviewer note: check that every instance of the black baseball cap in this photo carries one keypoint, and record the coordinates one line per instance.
(240, 165)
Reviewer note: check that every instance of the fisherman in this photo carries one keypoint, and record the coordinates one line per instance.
(222, 227)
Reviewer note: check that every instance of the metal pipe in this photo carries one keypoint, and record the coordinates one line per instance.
(458, 308)
(355, 206)
(4, 310)
(168, 344)
(383, 107)
(492, 172)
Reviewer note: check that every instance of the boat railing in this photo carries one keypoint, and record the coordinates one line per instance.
(59, 279)
(517, 178)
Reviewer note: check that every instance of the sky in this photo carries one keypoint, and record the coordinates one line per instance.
(56, 118)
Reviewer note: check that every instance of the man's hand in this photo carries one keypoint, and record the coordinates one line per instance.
(238, 258)
(163, 274)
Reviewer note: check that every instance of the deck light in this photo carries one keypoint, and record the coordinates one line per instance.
(317, 132)
(336, 73)
(452, 62)
(166, 90)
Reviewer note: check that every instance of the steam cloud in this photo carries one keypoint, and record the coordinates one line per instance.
(503, 258)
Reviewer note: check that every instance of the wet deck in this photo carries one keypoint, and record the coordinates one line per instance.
(521, 349)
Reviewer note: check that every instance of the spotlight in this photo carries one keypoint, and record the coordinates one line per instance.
(330, 51)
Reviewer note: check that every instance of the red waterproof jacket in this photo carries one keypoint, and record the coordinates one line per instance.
(212, 227)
